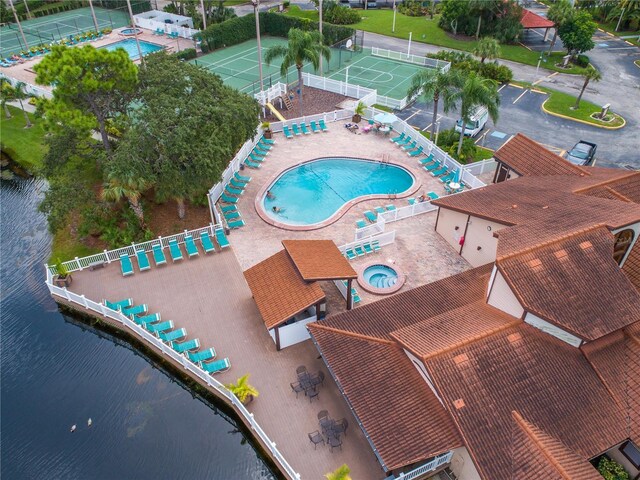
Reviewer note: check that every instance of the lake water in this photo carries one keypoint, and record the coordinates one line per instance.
(57, 373)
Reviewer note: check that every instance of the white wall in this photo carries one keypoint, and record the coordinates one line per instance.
(462, 465)
(636, 233)
(617, 455)
(448, 220)
(295, 333)
(480, 234)
(503, 298)
(423, 372)
(551, 329)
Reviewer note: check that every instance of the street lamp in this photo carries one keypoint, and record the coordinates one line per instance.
(135, 32)
(320, 28)
(204, 15)
(93, 15)
(15, 15)
(256, 3)
(393, 28)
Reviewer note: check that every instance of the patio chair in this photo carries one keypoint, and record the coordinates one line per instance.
(428, 160)
(297, 388)
(316, 438)
(268, 141)
(334, 442)
(448, 178)
(340, 426)
(173, 35)
(390, 207)
(241, 178)
(160, 327)
(350, 253)
(433, 195)
(125, 265)
(237, 184)
(231, 215)
(258, 151)
(314, 127)
(207, 244)
(143, 320)
(379, 209)
(216, 366)
(359, 250)
(372, 217)
(228, 199)
(202, 355)
(236, 224)
(229, 189)
(417, 152)
(375, 245)
(135, 310)
(356, 298)
(286, 131)
(174, 250)
(303, 127)
(433, 166)
(119, 305)
(405, 141)
(318, 379)
(254, 158)
(296, 130)
(173, 336)
(143, 260)
(190, 245)
(409, 146)
(322, 414)
(221, 238)
(251, 164)
(301, 369)
(192, 344)
(312, 392)
(367, 248)
(323, 126)
(361, 223)
(439, 172)
(411, 201)
(158, 254)
(398, 138)
(262, 145)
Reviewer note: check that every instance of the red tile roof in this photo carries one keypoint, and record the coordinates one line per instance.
(631, 267)
(533, 20)
(279, 291)
(319, 260)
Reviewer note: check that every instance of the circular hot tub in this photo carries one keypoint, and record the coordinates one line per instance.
(127, 32)
(381, 278)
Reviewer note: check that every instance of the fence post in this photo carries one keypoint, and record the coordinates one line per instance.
(84, 301)
(66, 293)
(78, 262)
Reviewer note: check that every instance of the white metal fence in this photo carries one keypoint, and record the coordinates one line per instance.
(383, 238)
(364, 94)
(184, 32)
(275, 91)
(410, 58)
(181, 359)
(29, 88)
(427, 467)
(417, 208)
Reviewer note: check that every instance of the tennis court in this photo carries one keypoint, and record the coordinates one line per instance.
(57, 26)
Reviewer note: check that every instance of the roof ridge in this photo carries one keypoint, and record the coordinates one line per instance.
(350, 334)
(604, 183)
(617, 194)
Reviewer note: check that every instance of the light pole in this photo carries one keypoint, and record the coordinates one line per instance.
(15, 15)
(538, 67)
(93, 14)
(320, 28)
(393, 27)
(255, 9)
(26, 6)
(204, 15)
(135, 32)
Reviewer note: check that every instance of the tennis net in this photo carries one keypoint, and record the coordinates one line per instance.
(34, 33)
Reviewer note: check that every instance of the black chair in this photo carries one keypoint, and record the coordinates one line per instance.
(301, 369)
(326, 424)
(297, 388)
(312, 393)
(334, 442)
(318, 379)
(340, 426)
(322, 414)
(316, 438)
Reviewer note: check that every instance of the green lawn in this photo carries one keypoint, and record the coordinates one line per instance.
(610, 27)
(66, 246)
(231, 3)
(24, 145)
(562, 103)
(296, 11)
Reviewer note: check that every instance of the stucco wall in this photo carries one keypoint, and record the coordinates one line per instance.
(423, 373)
(448, 220)
(503, 298)
(462, 465)
(480, 234)
(617, 455)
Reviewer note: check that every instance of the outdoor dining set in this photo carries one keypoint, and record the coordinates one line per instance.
(331, 430)
(309, 383)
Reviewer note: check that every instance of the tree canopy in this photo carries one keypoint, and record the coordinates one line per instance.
(496, 18)
(487, 47)
(576, 33)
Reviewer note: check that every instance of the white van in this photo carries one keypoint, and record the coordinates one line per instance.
(477, 121)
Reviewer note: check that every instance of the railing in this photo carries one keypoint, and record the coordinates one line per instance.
(427, 467)
(108, 256)
(364, 94)
(383, 238)
(29, 88)
(417, 208)
(184, 32)
(410, 58)
(370, 230)
(181, 359)
(269, 94)
(328, 117)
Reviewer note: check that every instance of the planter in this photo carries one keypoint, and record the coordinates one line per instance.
(268, 134)
(65, 281)
(356, 118)
(248, 400)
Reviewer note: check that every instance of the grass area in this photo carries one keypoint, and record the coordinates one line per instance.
(296, 11)
(66, 246)
(610, 27)
(562, 103)
(231, 3)
(480, 153)
(383, 108)
(24, 145)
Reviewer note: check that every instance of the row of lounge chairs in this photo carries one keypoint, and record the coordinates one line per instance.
(126, 265)
(232, 191)
(362, 249)
(439, 170)
(373, 216)
(174, 338)
(408, 144)
(430, 195)
(160, 32)
(258, 154)
(318, 127)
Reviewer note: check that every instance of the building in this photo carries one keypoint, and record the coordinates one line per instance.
(526, 366)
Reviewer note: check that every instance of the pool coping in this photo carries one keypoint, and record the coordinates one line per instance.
(381, 291)
(417, 185)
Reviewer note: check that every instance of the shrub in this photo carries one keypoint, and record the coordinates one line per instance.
(499, 73)
(339, 15)
(106, 31)
(412, 8)
(582, 61)
(466, 63)
(186, 54)
(611, 470)
(286, 4)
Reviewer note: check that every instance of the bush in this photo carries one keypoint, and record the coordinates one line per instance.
(412, 8)
(106, 31)
(582, 61)
(286, 4)
(611, 470)
(466, 63)
(186, 54)
(339, 15)
(499, 73)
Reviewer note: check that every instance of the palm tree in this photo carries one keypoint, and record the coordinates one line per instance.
(303, 47)
(487, 47)
(341, 473)
(20, 94)
(242, 389)
(6, 94)
(477, 92)
(126, 185)
(434, 84)
(590, 75)
(559, 13)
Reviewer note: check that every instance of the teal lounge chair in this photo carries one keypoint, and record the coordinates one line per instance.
(143, 260)
(268, 141)
(173, 335)
(350, 253)
(323, 126)
(232, 191)
(241, 178)
(119, 305)
(286, 131)
(417, 152)
(190, 245)
(259, 152)
(361, 223)
(202, 355)
(356, 298)
(369, 215)
(174, 249)
(251, 164)
(407, 140)
(125, 265)
(367, 247)
(264, 146)
(359, 250)
(305, 130)
(314, 127)
(427, 160)
(228, 208)
(172, 35)
(158, 254)
(440, 172)
(232, 215)
(207, 244)
(254, 158)
(235, 183)
(296, 130)
(192, 344)
(228, 199)
(160, 327)
(411, 201)
(221, 238)
(410, 146)
(375, 245)
(136, 310)
(448, 178)
(433, 195)
(379, 209)
(143, 320)
(397, 139)
(236, 224)
(216, 366)
(390, 207)
(435, 166)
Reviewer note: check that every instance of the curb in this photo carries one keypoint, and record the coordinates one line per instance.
(548, 112)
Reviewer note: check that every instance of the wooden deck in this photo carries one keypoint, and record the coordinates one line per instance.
(208, 296)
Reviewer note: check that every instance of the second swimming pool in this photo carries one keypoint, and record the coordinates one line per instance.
(129, 45)
(313, 192)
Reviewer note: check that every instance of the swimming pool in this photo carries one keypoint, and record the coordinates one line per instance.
(311, 193)
(129, 45)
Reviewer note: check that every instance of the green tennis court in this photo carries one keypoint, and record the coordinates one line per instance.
(56, 26)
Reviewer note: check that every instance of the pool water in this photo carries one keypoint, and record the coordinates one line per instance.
(129, 45)
(314, 191)
(380, 276)
(131, 31)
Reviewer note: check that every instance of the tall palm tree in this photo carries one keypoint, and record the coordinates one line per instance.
(560, 12)
(20, 94)
(242, 389)
(487, 47)
(590, 75)
(302, 47)
(434, 84)
(6, 94)
(341, 473)
(477, 92)
(126, 185)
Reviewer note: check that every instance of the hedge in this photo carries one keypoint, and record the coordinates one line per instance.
(241, 29)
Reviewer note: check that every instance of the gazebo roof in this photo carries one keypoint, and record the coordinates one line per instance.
(533, 20)
(319, 260)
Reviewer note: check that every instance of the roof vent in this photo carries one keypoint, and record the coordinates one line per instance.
(459, 403)
(545, 207)
(585, 245)
(458, 359)
(561, 254)
(514, 337)
(514, 206)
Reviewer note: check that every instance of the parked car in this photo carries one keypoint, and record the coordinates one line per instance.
(582, 154)
(477, 121)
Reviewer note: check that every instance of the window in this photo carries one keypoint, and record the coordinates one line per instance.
(632, 453)
(622, 243)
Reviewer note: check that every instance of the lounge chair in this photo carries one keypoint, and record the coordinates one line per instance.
(263, 146)
(228, 199)
(258, 151)
(379, 209)
(448, 178)
(254, 158)
(397, 139)
(434, 166)
(251, 164)
(221, 238)
(228, 208)
(286, 131)
(296, 130)
(236, 224)
(159, 31)
(119, 305)
(158, 254)
(174, 249)
(173, 335)
(350, 253)
(433, 195)
(314, 127)
(173, 35)
(356, 298)
(136, 310)
(417, 152)
(375, 245)
(441, 171)
(367, 247)
(359, 250)
(237, 184)
(268, 141)
(323, 126)
(143, 320)
(427, 160)
(202, 355)
(125, 265)
(390, 207)
(241, 178)
(160, 327)
(190, 245)
(305, 130)
(231, 215)
(232, 191)
(411, 201)
(207, 244)
(409, 146)
(372, 217)
(405, 141)
(361, 223)
(185, 346)
(143, 260)
(216, 366)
